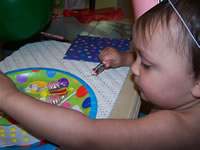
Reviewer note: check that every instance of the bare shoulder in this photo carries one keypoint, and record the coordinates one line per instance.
(166, 130)
(175, 130)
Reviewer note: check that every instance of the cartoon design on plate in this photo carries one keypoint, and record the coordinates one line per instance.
(51, 86)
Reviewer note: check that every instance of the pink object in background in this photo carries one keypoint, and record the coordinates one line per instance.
(141, 6)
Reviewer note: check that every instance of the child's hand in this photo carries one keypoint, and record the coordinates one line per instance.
(7, 88)
(111, 57)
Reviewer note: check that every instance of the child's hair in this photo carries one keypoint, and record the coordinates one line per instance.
(163, 13)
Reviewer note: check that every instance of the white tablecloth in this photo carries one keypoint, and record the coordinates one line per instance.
(49, 54)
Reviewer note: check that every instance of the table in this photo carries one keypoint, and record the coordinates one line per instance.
(113, 88)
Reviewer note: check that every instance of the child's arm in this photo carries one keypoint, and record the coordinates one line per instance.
(68, 128)
(112, 57)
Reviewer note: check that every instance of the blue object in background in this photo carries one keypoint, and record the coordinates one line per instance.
(140, 115)
(87, 48)
(43, 147)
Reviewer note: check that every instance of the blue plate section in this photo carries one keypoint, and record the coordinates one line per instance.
(92, 114)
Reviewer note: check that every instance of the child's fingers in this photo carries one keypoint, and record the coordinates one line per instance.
(103, 53)
(104, 57)
(108, 56)
(107, 64)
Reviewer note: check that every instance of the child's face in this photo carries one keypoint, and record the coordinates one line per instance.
(161, 73)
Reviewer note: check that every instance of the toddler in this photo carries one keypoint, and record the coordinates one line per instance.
(167, 71)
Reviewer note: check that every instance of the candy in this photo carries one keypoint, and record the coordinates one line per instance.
(53, 85)
(54, 99)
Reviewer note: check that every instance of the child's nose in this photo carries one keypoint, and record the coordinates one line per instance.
(136, 68)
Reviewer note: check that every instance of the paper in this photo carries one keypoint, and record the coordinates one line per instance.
(88, 48)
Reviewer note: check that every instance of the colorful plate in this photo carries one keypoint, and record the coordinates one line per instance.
(74, 94)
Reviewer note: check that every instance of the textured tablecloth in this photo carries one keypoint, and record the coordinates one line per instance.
(49, 54)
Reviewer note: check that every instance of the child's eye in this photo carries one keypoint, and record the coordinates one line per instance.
(146, 66)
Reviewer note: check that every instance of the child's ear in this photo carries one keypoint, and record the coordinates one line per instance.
(196, 89)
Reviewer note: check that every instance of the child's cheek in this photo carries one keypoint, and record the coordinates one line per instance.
(145, 83)
(147, 87)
